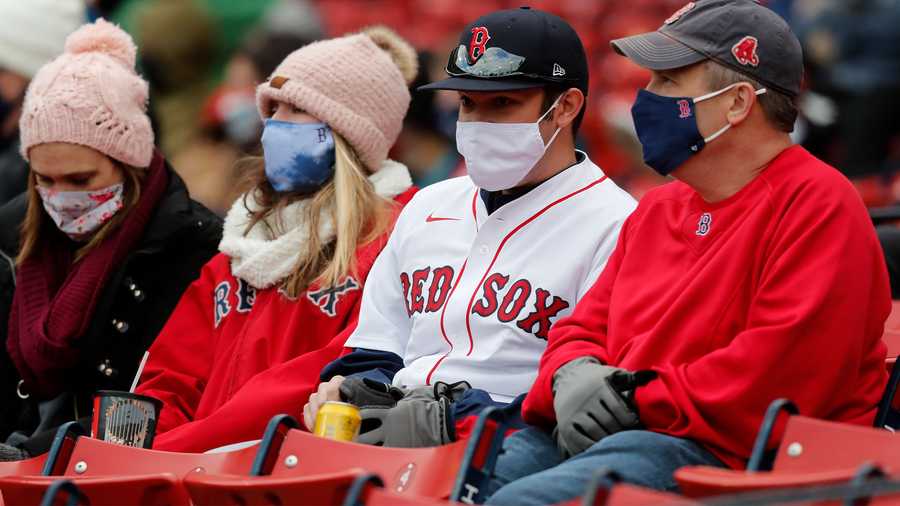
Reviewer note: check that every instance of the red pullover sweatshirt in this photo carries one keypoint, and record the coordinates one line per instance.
(778, 291)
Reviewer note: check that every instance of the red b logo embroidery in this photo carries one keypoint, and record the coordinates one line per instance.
(480, 38)
(704, 224)
(745, 51)
(684, 109)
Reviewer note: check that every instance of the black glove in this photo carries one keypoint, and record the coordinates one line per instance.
(592, 401)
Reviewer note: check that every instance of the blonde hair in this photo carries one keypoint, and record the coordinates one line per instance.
(37, 224)
(359, 215)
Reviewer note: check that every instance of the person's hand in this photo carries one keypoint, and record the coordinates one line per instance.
(328, 391)
(593, 401)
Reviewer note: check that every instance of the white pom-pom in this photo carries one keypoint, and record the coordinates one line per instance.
(103, 37)
(403, 54)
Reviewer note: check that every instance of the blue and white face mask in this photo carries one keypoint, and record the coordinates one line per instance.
(667, 128)
(299, 156)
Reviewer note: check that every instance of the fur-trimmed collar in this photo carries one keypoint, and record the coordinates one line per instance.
(262, 260)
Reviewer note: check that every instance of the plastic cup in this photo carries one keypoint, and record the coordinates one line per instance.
(125, 418)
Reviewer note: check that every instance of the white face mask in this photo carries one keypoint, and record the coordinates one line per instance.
(81, 213)
(500, 155)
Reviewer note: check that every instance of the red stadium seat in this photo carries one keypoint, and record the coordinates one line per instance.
(812, 452)
(141, 490)
(607, 489)
(382, 497)
(63, 489)
(52, 462)
(93, 457)
(104, 470)
(31, 466)
(870, 486)
(368, 490)
(630, 495)
(458, 470)
(319, 489)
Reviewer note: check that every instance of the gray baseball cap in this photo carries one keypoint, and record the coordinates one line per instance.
(740, 34)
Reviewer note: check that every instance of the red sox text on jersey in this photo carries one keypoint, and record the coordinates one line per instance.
(533, 310)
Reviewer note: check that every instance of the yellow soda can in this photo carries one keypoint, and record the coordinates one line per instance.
(338, 420)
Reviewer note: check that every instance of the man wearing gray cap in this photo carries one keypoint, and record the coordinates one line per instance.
(756, 275)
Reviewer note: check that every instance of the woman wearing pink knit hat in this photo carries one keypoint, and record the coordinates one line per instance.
(105, 240)
(248, 339)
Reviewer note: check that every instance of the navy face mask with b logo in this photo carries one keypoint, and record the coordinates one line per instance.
(299, 156)
(667, 128)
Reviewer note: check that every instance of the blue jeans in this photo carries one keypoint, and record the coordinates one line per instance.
(530, 470)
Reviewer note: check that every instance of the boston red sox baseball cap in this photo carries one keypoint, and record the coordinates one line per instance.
(516, 49)
(741, 34)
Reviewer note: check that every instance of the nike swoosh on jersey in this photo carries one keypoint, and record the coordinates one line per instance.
(431, 218)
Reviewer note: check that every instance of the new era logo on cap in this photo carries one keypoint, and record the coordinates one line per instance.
(558, 71)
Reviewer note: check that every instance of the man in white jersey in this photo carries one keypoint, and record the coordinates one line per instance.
(478, 268)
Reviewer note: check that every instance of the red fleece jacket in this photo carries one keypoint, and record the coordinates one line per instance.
(231, 357)
(778, 291)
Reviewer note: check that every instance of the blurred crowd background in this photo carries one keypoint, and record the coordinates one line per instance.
(204, 58)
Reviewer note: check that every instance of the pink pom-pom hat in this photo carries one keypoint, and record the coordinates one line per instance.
(91, 96)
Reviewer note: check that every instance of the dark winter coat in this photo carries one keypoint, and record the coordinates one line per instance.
(140, 294)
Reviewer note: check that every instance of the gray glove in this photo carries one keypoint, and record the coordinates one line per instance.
(10, 453)
(592, 401)
(422, 418)
(367, 393)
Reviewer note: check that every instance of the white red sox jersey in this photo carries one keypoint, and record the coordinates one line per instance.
(463, 295)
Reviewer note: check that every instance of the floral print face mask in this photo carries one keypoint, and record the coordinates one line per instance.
(81, 213)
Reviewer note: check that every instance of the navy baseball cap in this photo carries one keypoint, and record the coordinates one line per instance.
(516, 49)
(741, 34)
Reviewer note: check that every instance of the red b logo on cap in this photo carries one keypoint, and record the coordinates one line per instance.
(745, 51)
(480, 38)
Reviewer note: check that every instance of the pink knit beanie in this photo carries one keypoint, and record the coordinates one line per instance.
(357, 84)
(90, 95)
